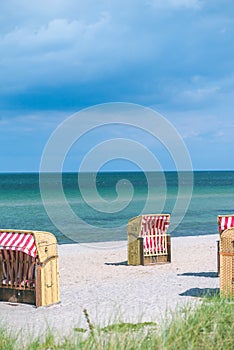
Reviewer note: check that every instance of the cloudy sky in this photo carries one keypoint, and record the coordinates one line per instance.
(61, 56)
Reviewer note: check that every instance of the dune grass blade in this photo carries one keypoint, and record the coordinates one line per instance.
(7, 341)
(209, 326)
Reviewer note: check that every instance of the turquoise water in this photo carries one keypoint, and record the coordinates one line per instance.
(102, 204)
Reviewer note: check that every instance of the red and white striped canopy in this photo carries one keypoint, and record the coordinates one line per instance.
(23, 242)
(153, 230)
(156, 223)
(225, 222)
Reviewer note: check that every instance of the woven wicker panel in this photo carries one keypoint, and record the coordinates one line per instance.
(227, 263)
(134, 246)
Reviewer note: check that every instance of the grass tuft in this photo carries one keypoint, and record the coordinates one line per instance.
(209, 326)
(7, 341)
(126, 327)
(80, 330)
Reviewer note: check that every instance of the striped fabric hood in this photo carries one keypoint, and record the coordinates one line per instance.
(23, 242)
(225, 222)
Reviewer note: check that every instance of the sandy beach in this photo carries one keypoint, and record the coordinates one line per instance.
(96, 277)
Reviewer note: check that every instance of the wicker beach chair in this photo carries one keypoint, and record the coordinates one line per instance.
(148, 241)
(227, 263)
(224, 222)
(29, 267)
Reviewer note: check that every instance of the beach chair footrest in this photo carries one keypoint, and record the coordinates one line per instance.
(156, 259)
(17, 295)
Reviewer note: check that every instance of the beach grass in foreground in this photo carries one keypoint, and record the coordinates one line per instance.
(209, 325)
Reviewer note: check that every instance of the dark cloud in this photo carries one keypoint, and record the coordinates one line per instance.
(175, 55)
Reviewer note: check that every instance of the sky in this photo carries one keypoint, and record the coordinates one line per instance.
(60, 57)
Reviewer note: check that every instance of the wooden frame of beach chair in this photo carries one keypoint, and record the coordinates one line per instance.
(227, 263)
(148, 242)
(224, 222)
(29, 267)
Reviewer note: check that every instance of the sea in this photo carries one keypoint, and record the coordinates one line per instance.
(96, 207)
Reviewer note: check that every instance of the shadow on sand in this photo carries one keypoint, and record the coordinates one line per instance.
(200, 292)
(121, 263)
(200, 274)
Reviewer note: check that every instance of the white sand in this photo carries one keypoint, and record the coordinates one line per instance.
(96, 277)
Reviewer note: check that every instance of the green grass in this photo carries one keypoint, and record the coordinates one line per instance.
(207, 326)
(7, 341)
(125, 327)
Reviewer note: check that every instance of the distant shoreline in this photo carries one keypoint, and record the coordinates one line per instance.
(124, 241)
(112, 171)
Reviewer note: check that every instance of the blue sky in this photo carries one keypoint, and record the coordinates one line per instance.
(61, 56)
